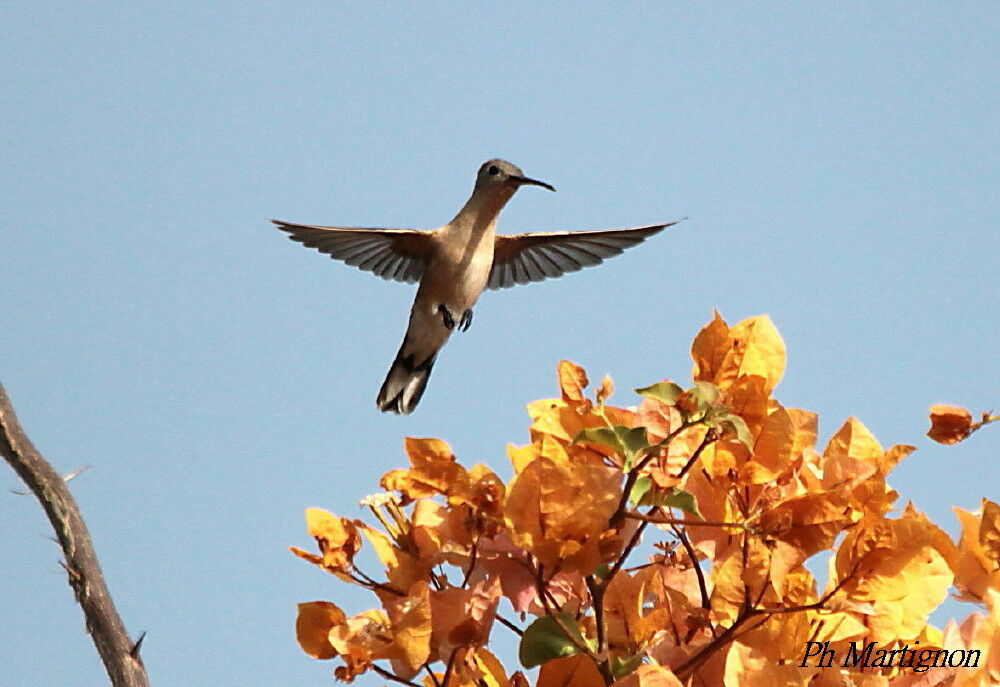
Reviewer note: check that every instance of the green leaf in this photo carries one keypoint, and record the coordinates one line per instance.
(734, 425)
(601, 571)
(707, 392)
(621, 667)
(681, 500)
(639, 489)
(634, 440)
(602, 436)
(672, 498)
(544, 640)
(665, 392)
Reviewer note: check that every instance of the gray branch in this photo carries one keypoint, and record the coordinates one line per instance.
(118, 652)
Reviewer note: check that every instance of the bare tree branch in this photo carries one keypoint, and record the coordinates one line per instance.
(118, 652)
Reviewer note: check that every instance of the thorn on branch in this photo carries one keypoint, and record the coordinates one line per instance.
(79, 471)
(137, 647)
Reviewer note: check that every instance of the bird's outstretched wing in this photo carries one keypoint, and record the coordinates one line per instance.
(523, 258)
(399, 254)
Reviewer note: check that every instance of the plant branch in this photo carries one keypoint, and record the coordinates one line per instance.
(473, 555)
(633, 474)
(660, 520)
(706, 440)
(437, 683)
(541, 588)
(391, 676)
(509, 625)
(118, 652)
(699, 573)
(447, 671)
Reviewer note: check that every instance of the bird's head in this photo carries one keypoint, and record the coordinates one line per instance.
(500, 176)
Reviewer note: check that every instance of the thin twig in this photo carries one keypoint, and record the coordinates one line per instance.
(509, 625)
(390, 676)
(699, 573)
(473, 555)
(706, 440)
(704, 652)
(117, 651)
(581, 646)
(447, 670)
(660, 520)
(625, 554)
(438, 683)
(633, 474)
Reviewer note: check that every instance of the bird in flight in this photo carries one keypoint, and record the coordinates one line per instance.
(454, 263)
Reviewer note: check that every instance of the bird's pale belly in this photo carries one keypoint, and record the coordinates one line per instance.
(459, 286)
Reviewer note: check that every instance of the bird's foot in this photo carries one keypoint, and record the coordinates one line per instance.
(446, 317)
(463, 324)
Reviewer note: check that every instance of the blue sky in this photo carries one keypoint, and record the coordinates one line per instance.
(838, 164)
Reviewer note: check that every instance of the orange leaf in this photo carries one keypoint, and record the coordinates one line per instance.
(337, 538)
(989, 532)
(757, 351)
(433, 470)
(949, 424)
(313, 623)
(772, 449)
(569, 671)
(748, 667)
(557, 508)
(402, 568)
(572, 381)
(649, 676)
(709, 348)
(902, 567)
(463, 617)
(977, 566)
(410, 616)
(623, 612)
(604, 390)
(752, 348)
(361, 639)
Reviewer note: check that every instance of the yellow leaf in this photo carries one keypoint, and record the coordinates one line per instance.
(402, 568)
(313, 623)
(569, 671)
(623, 612)
(558, 509)
(852, 440)
(490, 669)
(561, 419)
(756, 351)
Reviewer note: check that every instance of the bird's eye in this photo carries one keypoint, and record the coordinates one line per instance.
(493, 170)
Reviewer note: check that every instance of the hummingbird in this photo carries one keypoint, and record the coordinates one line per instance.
(454, 263)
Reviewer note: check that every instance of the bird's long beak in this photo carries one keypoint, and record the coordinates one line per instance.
(525, 181)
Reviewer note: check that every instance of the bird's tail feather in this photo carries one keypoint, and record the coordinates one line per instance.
(405, 383)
